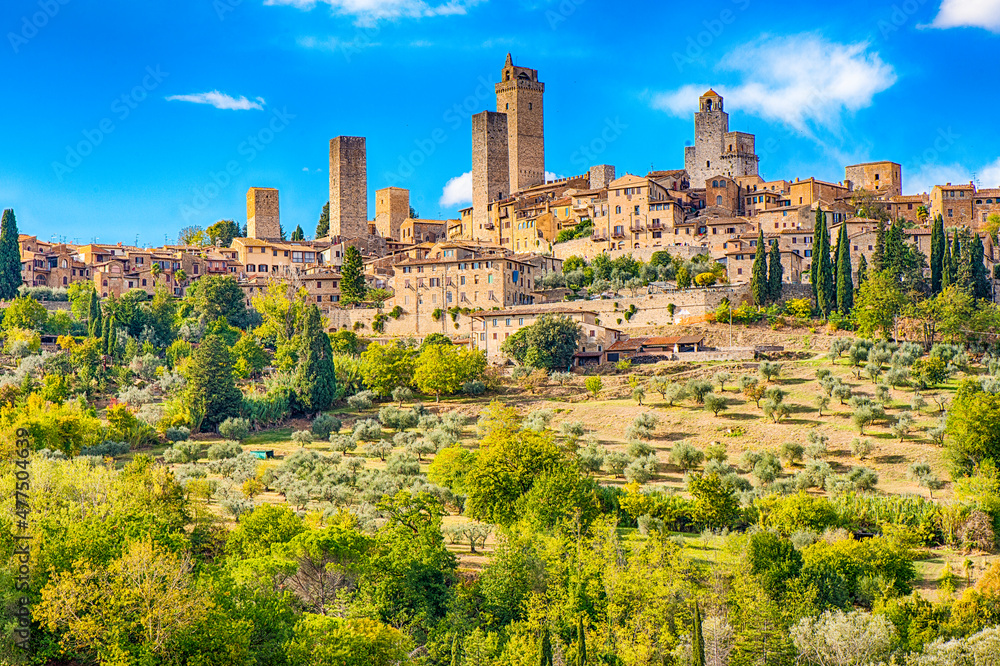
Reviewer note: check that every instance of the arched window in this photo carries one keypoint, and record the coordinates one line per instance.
(718, 200)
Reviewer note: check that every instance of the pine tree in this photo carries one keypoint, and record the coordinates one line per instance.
(878, 256)
(697, 639)
(581, 643)
(758, 274)
(315, 378)
(94, 325)
(775, 272)
(938, 243)
(845, 282)
(980, 280)
(862, 270)
(10, 257)
(352, 277)
(298, 234)
(211, 387)
(323, 226)
(545, 649)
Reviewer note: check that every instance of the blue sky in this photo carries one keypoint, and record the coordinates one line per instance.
(125, 120)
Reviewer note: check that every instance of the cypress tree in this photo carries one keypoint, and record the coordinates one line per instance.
(323, 226)
(211, 386)
(878, 256)
(826, 290)
(816, 248)
(455, 652)
(862, 270)
(938, 243)
(959, 269)
(845, 282)
(758, 274)
(545, 649)
(298, 234)
(980, 280)
(10, 257)
(94, 326)
(581, 643)
(352, 277)
(108, 335)
(697, 640)
(315, 379)
(775, 272)
(947, 273)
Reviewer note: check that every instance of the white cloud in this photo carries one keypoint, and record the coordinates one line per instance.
(925, 177)
(969, 13)
(335, 44)
(457, 191)
(370, 11)
(221, 101)
(799, 80)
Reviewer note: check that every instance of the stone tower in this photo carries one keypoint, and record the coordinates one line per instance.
(348, 188)
(490, 167)
(716, 150)
(263, 217)
(601, 176)
(392, 208)
(519, 96)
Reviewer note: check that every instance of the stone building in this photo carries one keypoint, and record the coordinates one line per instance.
(392, 208)
(277, 258)
(987, 204)
(909, 206)
(349, 188)
(490, 329)
(263, 216)
(954, 203)
(810, 191)
(716, 150)
(490, 170)
(884, 179)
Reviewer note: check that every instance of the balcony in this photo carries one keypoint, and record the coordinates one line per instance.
(637, 228)
(655, 225)
(599, 236)
(618, 233)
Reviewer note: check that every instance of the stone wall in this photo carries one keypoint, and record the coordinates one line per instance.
(588, 249)
(490, 175)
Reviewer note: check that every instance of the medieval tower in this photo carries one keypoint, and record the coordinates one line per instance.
(716, 150)
(392, 208)
(519, 96)
(490, 168)
(263, 217)
(348, 188)
(508, 147)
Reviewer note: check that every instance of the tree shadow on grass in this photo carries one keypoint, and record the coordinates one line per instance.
(893, 459)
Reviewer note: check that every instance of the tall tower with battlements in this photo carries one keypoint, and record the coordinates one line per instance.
(348, 188)
(519, 96)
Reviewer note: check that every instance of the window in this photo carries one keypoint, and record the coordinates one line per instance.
(951, 213)
(618, 210)
(718, 199)
(739, 271)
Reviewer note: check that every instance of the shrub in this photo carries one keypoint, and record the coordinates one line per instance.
(861, 448)
(106, 449)
(590, 457)
(342, 443)
(377, 449)
(767, 468)
(594, 385)
(641, 469)
(368, 430)
(791, 452)
(715, 403)
(642, 427)
(686, 456)
(235, 428)
(639, 449)
(359, 402)
(177, 433)
(474, 387)
(224, 450)
(183, 452)
(616, 462)
(977, 531)
(769, 370)
(402, 394)
(303, 437)
(716, 451)
(324, 424)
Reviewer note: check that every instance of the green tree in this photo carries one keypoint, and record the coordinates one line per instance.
(211, 388)
(332, 641)
(715, 504)
(981, 287)
(352, 277)
(384, 367)
(222, 233)
(323, 226)
(25, 312)
(259, 529)
(192, 235)
(10, 257)
(298, 234)
(878, 256)
(826, 290)
(973, 427)
(862, 270)
(249, 358)
(94, 324)
(215, 296)
(775, 274)
(938, 245)
(581, 643)
(549, 343)
(845, 279)
(759, 286)
(545, 648)
(315, 379)
(947, 270)
(442, 369)
(879, 301)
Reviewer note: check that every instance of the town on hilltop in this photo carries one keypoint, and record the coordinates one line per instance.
(508, 249)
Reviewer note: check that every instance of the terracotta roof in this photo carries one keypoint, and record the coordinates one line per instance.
(636, 344)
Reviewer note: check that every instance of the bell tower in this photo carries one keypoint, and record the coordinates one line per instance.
(519, 96)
